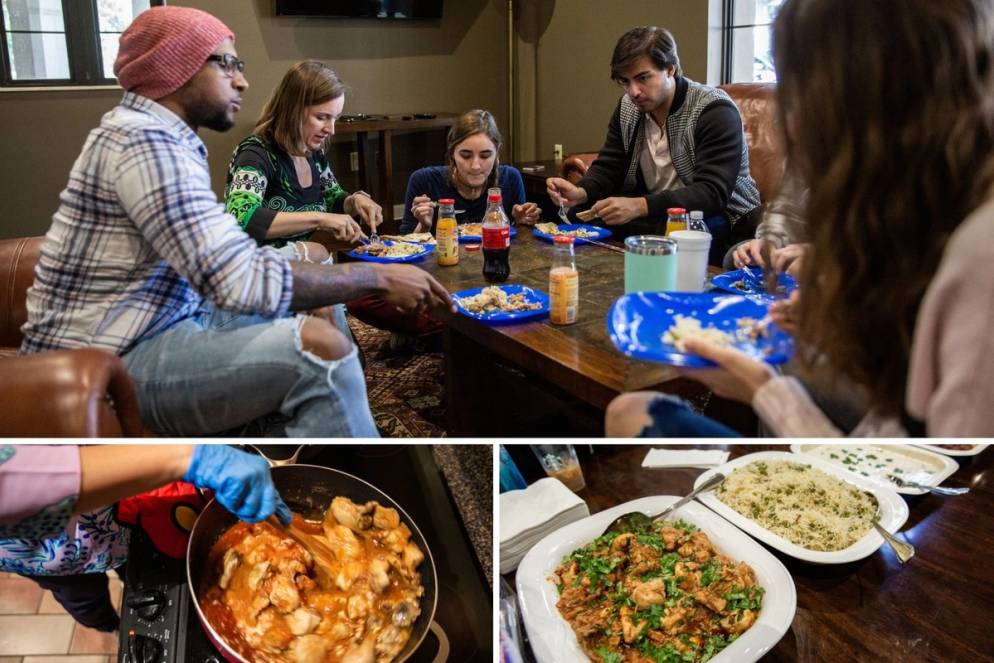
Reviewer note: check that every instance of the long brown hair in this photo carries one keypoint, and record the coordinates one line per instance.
(308, 83)
(469, 124)
(889, 111)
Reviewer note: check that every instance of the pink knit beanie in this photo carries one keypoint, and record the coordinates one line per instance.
(164, 47)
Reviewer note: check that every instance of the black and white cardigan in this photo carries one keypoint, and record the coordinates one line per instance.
(708, 148)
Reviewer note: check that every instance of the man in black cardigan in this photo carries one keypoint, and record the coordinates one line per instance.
(671, 142)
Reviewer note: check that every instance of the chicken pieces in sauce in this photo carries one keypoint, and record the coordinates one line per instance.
(264, 599)
(659, 594)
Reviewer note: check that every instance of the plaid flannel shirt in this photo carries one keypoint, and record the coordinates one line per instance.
(140, 241)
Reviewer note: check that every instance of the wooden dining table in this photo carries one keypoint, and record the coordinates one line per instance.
(546, 371)
(937, 607)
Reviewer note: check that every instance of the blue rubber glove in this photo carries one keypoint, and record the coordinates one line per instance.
(241, 482)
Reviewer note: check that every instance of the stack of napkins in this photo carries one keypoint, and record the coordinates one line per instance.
(698, 458)
(526, 516)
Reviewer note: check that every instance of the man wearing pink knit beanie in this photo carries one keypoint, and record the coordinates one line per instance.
(142, 261)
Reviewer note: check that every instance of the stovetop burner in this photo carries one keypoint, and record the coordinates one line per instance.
(159, 624)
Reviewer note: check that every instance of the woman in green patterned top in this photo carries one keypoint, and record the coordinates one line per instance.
(280, 186)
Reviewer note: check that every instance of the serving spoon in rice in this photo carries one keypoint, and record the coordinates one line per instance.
(638, 520)
(902, 549)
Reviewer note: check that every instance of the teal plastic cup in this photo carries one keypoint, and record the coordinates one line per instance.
(650, 264)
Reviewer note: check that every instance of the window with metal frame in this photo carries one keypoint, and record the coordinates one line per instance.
(746, 47)
(63, 42)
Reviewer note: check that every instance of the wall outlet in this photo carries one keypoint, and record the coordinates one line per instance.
(557, 151)
(354, 161)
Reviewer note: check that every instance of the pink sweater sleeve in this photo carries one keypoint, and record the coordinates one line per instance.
(34, 477)
(785, 406)
(951, 373)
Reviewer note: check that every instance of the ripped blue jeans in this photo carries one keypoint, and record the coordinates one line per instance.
(219, 372)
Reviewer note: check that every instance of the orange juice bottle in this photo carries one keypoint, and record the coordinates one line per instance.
(446, 235)
(676, 219)
(564, 283)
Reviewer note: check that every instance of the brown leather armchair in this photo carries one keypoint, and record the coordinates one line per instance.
(756, 103)
(66, 393)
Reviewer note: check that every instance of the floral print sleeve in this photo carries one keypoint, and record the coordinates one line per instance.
(331, 191)
(39, 535)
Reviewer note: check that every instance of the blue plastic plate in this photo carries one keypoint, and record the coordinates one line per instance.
(499, 317)
(602, 233)
(425, 250)
(637, 321)
(479, 238)
(749, 281)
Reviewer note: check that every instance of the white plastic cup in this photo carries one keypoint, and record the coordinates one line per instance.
(692, 259)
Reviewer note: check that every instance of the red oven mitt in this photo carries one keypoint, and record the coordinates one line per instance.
(166, 514)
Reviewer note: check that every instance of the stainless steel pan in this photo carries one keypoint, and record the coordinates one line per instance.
(309, 489)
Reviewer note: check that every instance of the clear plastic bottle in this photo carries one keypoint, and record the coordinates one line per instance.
(564, 283)
(496, 239)
(697, 222)
(446, 235)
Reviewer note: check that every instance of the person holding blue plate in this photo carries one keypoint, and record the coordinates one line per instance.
(896, 287)
(472, 166)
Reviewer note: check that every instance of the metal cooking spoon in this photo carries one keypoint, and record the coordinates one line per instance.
(938, 490)
(636, 519)
(902, 549)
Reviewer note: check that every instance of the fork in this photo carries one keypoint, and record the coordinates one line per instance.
(938, 490)
(374, 238)
(562, 213)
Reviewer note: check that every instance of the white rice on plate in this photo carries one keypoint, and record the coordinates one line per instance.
(685, 328)
(802, 504)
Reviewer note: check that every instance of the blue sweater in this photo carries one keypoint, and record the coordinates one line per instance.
(433, 182)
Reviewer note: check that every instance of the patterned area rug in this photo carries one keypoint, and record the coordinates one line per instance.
(406, 385)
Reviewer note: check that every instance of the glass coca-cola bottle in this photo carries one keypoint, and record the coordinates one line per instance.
(496, 240)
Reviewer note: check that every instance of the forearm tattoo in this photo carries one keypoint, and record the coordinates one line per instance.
(320, 285)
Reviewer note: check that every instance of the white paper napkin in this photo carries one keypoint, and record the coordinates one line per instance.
(697, 458)
(523, 510)
(527, 516)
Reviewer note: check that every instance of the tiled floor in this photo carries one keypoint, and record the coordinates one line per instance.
(35, 629)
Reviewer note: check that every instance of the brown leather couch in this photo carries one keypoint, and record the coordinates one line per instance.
(756, 102)
(66, 393)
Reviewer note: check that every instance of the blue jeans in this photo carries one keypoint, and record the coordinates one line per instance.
(672, 417)
(220, 372)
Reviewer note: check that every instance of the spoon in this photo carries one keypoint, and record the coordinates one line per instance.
(316, 545)
(903, 550)
(938, 490)
(637, 519)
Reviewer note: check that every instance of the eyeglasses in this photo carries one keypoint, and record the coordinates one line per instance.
(229, 63)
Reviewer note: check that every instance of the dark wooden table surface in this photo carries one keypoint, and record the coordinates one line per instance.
(938, 607)
(578, 362)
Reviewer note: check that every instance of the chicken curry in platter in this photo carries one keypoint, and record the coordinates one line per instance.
(661, 594)
(263, 597)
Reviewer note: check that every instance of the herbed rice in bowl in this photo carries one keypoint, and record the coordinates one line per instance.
(802, 504)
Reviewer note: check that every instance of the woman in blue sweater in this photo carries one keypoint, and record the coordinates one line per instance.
(472, 167)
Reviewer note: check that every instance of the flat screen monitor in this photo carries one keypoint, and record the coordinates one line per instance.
(419, 9)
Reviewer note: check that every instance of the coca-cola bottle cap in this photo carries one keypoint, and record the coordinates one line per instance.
(676, 211)
(493, 197)
(446, 201)
(562, 239)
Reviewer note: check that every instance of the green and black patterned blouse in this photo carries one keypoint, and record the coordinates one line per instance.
(263, 182)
